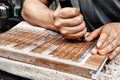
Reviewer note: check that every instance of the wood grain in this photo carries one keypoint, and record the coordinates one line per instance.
(63, 58)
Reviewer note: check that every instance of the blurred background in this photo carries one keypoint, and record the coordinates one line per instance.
(10, 13)
(10, 8)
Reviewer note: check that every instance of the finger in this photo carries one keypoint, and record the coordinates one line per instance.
(109, 47)
(77, 35)
(68, 22)
(67, 13)
(109, 40)
(94, 34)
(94, 50)
(104, 35)
(73, 30)
(114, 53)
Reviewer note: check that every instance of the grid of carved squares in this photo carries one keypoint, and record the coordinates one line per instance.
(70, 50)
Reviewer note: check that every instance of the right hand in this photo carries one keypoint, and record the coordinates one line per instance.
(69, 22)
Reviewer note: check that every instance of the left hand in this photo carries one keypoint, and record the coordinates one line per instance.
(109, 40)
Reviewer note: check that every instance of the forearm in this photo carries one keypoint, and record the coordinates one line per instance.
(37, 13)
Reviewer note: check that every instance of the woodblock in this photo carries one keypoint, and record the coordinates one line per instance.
(49, 50)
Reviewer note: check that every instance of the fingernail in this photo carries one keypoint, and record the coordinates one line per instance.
(64, 32)
(101, 52)
(57, 24)
(99, 44)
(94, 51)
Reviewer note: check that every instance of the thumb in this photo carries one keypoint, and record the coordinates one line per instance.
(57, 9)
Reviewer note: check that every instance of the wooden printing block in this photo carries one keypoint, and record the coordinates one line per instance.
(77, 61)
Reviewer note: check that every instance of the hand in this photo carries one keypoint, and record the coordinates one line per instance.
(70, 23)
(109, 40)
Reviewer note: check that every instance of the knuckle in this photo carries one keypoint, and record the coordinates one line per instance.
(117, 43)
(58, 22)
(83, 25)
(79, 19)
(108, 41)
(85, 30)
(76, 19)
(106, 50)
(61, 13)
(76, 11)
(111, 46)
(117, 50)
(105, 32)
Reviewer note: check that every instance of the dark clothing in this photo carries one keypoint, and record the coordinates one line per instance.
(99, 12)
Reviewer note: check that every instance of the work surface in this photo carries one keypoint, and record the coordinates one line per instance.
(8, 76)
(75, 63)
